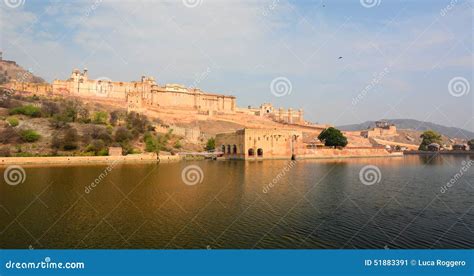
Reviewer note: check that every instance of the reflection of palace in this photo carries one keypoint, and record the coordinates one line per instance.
(260, 143)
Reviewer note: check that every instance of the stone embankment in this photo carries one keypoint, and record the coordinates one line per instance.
(349, 153)
(80, 160)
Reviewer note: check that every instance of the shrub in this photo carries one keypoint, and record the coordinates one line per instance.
(9, 135)
(5, 152)
(100, 118)
(122, 134)
(49, 108)
(28, 110)
(103, 152)
(59, 121)
(177, 145)
(29, 135)
(211, 144)
(70, 139)
(137, 122)
(150, 142)
(97, 146)
(115, 116)
(13, 121)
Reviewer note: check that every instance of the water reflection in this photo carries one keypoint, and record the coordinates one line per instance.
(311, 204)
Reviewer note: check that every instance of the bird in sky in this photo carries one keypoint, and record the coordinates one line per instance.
(340, 58)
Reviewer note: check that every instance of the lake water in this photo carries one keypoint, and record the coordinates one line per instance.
(310, 204)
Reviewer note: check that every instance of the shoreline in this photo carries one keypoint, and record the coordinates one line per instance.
(143, 158)
(152, 158)
(88, 160)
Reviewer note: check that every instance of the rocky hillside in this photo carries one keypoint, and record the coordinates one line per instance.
(10, 70)
(410, 124)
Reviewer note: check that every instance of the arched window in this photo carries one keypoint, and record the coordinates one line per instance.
(223, 149)
(234, 149)
(260, 152)
(228, 149)
(251, 152)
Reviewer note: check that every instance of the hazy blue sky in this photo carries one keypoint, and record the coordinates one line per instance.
(398, 57)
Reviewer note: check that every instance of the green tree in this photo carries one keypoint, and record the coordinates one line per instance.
(471, 144)
(332, 137)
(429, 137)
(211, 144)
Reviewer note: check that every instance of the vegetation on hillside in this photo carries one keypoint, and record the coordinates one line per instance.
(71, 127)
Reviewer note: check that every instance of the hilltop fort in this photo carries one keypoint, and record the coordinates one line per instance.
(146, 95)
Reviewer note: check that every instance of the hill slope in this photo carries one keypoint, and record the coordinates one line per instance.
(452, 132)
(10, 70)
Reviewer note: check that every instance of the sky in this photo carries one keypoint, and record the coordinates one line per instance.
(343, 62)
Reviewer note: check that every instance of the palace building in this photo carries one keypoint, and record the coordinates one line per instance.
(147, 94)
(137, 95)
(251, 143)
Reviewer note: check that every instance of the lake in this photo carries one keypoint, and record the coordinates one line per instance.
(390, 203)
